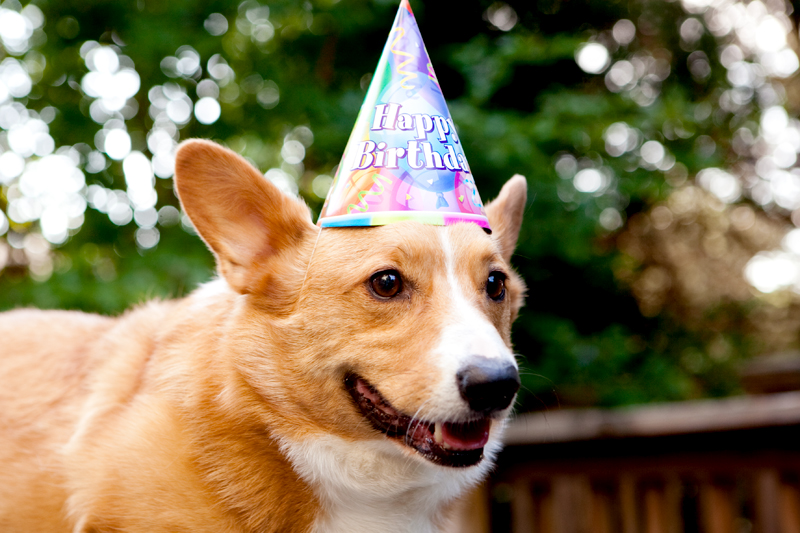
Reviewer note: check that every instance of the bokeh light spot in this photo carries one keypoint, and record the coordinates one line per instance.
(592, 58)
(207, 110)
(117, 144)
(216, 24)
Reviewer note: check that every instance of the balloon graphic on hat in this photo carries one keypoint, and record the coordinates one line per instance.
(404, 160)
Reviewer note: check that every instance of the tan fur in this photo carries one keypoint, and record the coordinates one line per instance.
(172, 417)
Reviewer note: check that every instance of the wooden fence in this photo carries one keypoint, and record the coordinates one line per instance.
(724, 466)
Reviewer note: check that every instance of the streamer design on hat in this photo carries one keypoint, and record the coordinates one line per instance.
(432, 76)
(363, 194)
(408, 75)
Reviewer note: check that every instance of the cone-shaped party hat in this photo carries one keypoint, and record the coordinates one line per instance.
(404, 159)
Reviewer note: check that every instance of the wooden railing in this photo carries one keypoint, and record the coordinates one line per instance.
(727, 466)
(759, 500)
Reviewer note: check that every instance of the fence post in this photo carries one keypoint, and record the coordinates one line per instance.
(627, 497)
(767, 501)
(572, 504)
(790, 508)
(717, 510)
(522, 507)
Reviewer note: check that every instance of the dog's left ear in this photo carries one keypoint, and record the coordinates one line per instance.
(505, 214)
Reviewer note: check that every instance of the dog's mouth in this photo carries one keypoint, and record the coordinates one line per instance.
(456, 444)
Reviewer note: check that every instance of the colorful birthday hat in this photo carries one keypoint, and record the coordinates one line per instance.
(404, 160)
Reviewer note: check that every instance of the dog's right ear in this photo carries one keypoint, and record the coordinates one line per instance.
(246, 221)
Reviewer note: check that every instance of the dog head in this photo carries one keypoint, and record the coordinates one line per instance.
(397, 333)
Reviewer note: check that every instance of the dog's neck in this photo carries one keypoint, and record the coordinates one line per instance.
(373, 486)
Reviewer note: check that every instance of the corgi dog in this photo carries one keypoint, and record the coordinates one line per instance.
(334, 380)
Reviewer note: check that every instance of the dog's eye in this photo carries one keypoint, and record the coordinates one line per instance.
(386, 284)
(496, 286)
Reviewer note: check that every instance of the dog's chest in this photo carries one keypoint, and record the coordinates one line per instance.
(373, 486)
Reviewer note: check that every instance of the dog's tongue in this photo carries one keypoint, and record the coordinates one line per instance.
(466, 436)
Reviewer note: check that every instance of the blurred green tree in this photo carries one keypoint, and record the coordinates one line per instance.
(657, 138)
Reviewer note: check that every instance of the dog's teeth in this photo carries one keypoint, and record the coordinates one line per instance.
(437, 433)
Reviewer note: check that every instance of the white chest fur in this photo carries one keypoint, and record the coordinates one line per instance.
(375, 486)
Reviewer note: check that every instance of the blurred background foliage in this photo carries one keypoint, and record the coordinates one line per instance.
(658, 137)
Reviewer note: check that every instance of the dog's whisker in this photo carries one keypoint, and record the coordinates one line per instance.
(311, 258)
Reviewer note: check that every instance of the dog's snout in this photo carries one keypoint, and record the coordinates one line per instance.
(488, 385)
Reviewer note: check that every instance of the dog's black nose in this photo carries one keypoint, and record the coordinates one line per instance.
(488, 385)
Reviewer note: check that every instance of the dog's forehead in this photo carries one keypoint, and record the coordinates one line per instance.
(410, 241)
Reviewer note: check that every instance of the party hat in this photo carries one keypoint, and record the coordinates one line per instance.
(404, 160)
